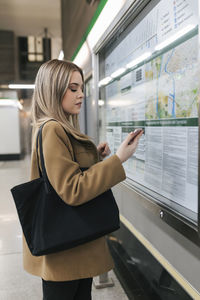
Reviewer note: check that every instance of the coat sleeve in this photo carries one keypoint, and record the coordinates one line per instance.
(71, 184)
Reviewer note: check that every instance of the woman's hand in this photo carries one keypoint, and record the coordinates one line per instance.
(103, 149)
(128, 146)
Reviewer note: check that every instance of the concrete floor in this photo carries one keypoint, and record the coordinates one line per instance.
(15, 283)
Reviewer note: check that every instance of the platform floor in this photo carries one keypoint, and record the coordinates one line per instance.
(15, 283)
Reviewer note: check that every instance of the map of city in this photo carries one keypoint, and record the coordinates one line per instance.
(172, 83)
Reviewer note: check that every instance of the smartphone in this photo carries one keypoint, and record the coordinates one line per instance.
(136, 132)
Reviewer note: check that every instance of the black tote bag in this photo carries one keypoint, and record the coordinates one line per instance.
(50, 225)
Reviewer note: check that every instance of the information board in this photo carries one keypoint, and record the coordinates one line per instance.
(161, 96)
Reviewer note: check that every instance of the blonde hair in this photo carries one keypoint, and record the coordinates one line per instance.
(51, 84)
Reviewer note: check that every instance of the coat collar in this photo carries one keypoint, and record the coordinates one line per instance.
(83, 140)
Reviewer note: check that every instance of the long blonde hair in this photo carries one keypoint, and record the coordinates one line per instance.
(51, 84)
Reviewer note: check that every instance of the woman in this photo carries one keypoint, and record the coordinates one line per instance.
(58, 95)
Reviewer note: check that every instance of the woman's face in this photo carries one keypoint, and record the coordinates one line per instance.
(73, 98)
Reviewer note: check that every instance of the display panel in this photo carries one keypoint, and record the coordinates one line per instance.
(149, 78)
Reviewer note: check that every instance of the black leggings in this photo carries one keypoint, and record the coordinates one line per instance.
(67, 290)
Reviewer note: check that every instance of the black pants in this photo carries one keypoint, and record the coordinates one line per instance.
(67, 290)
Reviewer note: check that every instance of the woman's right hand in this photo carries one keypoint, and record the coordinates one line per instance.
(128, 147)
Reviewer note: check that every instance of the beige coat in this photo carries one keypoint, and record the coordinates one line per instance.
(74, 187)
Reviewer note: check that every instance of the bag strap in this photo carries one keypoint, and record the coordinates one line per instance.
(38, 165)
(43, 172)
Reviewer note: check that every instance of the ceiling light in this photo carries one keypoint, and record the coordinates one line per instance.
(21, 86)
(104, 81)
(82, 56)
(101, 102)
(118, 72)
(109, 12)
(61, 55)
(175, 37)
(138, 60)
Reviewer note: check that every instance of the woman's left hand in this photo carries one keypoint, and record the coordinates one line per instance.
(103, 149)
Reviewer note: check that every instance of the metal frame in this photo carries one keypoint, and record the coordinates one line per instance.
(129, 11)
(95, 76)
(89, 77)
(187, 228)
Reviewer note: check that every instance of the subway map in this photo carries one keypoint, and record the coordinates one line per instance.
(172, 83)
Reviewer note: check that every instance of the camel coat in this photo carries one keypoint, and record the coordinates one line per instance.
(74, 187)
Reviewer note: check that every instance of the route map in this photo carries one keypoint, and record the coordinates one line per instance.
(172, 89)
